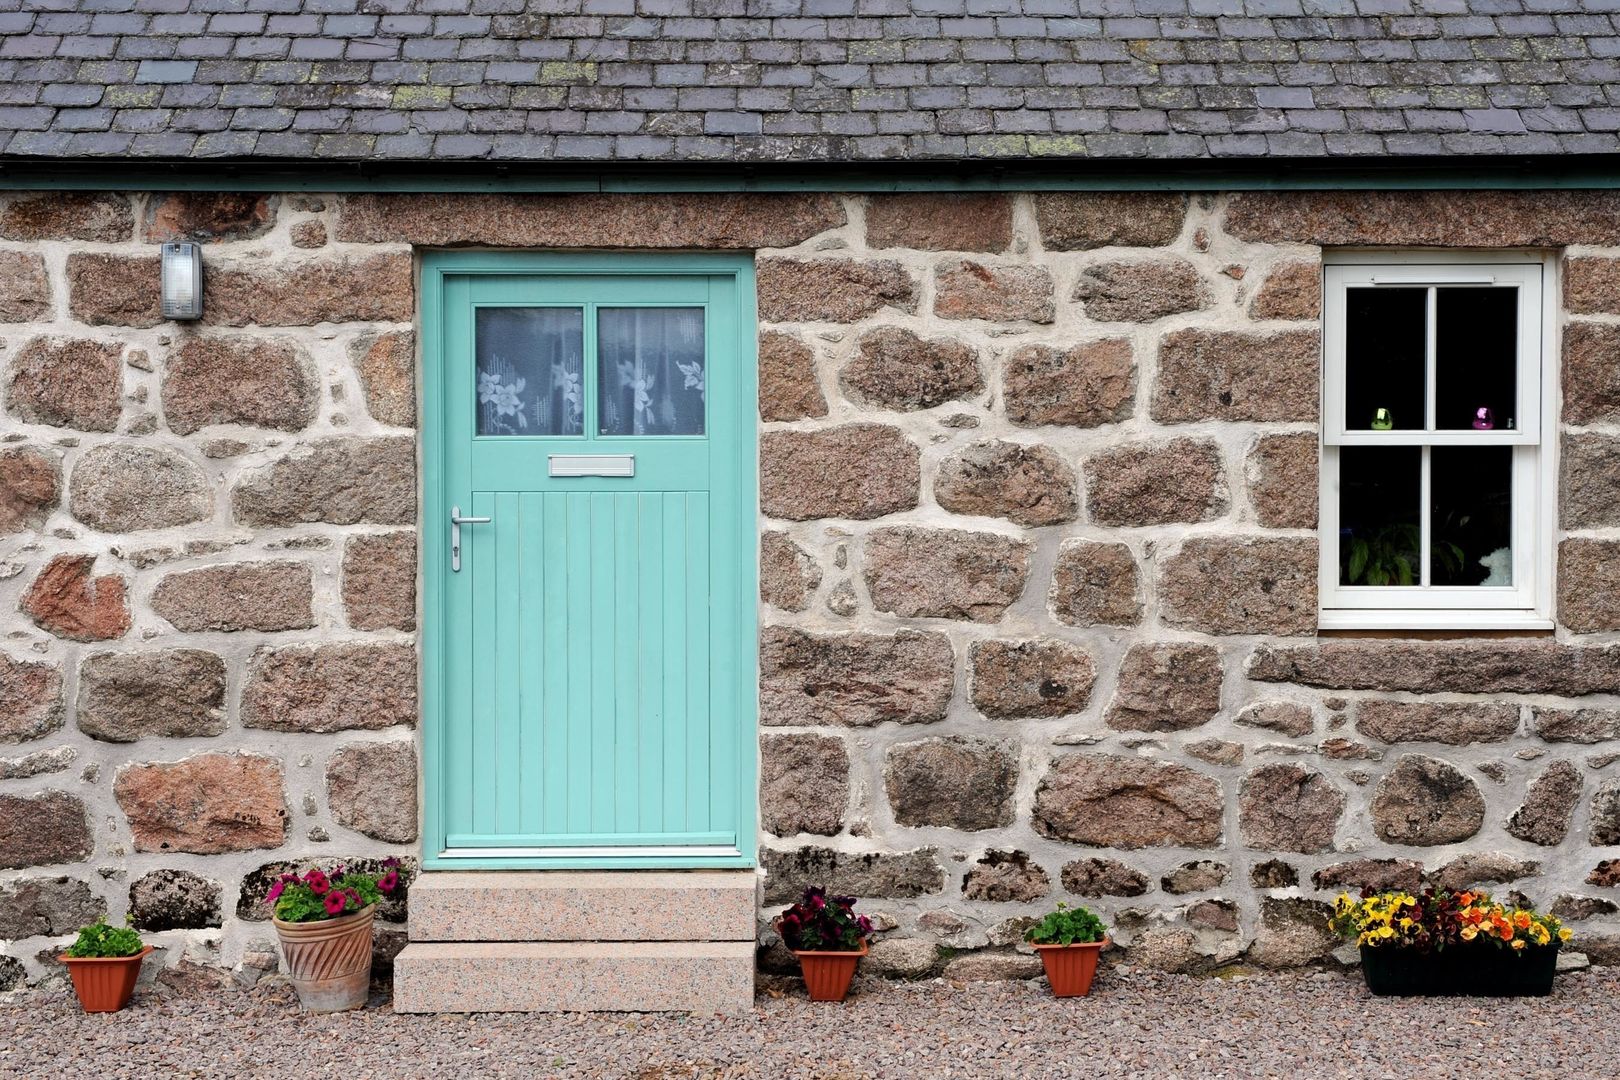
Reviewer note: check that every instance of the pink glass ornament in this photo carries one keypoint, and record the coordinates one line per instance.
(1484, 419)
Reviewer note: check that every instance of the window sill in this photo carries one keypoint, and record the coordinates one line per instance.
(1486, 621)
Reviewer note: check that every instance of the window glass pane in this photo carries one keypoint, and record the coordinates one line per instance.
(1379, 534)
(1476, 358)
(1384, 345)
(531, 367)
(651, 367)
(1471, 524)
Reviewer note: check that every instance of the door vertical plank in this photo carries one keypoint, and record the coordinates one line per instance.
(532, 669)
(507, 528)
(579, 672)
(678, 660)
(625, 776)
(698, 711)
(650, 639)
(556, 714)
(603, 588)
(485, 570)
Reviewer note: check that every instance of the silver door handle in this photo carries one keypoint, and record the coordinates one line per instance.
(456, 522)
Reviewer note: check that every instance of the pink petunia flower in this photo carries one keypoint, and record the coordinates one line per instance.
(336, 902)
(275, 891)
(317, 882)
(388, 882)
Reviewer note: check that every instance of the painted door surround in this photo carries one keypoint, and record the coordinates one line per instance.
(559, 731)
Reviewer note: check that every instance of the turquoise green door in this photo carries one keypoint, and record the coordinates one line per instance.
(589, 555)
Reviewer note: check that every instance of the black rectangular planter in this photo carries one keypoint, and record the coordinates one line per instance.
(1471, 970)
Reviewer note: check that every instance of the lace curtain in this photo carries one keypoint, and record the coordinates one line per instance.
(651, 371)
(531, 367)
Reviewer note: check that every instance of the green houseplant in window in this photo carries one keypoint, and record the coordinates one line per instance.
(1069, 941)
(104, 963)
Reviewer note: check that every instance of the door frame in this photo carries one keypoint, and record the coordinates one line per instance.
(434, 540)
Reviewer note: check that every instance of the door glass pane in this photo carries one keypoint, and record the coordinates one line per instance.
(1476, 358)
(651, 371)
(531, 367)
(1471, 527)
(1384, 344)
(1379, 533)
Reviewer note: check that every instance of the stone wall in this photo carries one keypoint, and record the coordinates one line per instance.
(1038, 569)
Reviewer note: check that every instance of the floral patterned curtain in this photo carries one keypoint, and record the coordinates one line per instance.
(651, 371)
(531, 366)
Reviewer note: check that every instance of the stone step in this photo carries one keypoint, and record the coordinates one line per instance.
(584, 905)
(533, 976)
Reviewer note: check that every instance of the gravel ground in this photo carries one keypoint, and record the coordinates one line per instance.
(1137, 1024)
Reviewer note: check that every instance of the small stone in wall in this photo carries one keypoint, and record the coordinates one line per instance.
(1376, 874)
(903, 958)
(120, 488)
(1580, 908)
(1605, 874)
(386, 364)
(1169, 686)
(1082, 220)
(25, 291)
(1273, 874)
(1241, 585)
(1606, 814)
(1170, 949)
(307, 234)
(1426, 802)
(1293, 932)
(115, 290)
(174, 900)
(69, 602)
(207, 804)
(972, 290)
(47, 906)
(853, 679)
(1282, 477)
(371, 788)
(1216, 751)
(1029, 485)
(899, 875)
(334, 687)
(341, 481)
(1199, 876)
(43, 830)
(1104, 800)
(788, 576)
(30, 488)
(945, 573)
(1140, 290)
(1484, 868)
(254, 382)
(859, 471)
(56, 759)
(1284, 717)
(1237, 376)
(895, 369)
(1577, 725)
(831, 290)
(379, 581)
(67, 383)
(1085, 385)
(1006, 876)
(1095, 584)
(952, 783)
(261, 596)
(788, 387)
(1289, 808)
(1292, 291)
(1014, 680)
(1549, 806)
(30, 699)
(1103, 877)
(842, 599)
(1156, 483)
(803, 784)
(173, 693)
(1455, 723)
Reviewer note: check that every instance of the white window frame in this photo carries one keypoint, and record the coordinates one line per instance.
(1526, 604)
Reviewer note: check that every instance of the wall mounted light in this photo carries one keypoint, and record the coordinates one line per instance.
(182, 281)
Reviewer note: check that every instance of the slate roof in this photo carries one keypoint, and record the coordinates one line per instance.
(806, 80)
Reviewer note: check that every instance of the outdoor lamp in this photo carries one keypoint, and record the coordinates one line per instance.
(182, 281)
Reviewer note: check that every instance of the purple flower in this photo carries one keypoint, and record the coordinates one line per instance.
(388, 882)
(317, 882)
(275, 891)
(335, 902)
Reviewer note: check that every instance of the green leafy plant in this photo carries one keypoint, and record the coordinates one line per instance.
(1389, 556)
(822, 923)
(315, 895)
(1067, 926)
(101, 941)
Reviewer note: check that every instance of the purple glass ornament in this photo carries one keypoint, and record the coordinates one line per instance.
(1484, 419)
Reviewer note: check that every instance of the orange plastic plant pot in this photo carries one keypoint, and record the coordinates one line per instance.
(104, 983)
(1070, 968)
(827, 974)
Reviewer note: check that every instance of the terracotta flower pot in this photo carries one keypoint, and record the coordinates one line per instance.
(827, 974)
(329, 962)
(104, 983)
(1070, 968)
